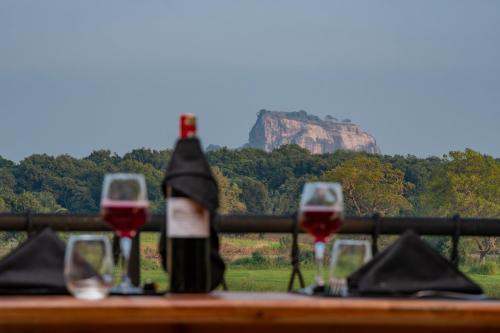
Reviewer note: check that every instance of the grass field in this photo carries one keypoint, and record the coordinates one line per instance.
(272, 276)
(276, 279)
(489, 283)
(255, 263)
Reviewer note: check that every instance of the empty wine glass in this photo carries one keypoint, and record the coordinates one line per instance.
(321, 214)
(88, 267)
(124, 205)
(347, 256)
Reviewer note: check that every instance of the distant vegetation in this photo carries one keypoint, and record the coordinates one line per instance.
(301, 115)
(297, 115)
(255, 181)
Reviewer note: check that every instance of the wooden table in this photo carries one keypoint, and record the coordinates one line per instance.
(244, 312)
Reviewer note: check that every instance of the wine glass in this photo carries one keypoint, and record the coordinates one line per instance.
(88, 267)
(347, 256)
(124, 205)
(321, 214)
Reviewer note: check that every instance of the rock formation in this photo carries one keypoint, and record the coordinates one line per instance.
(275, 128)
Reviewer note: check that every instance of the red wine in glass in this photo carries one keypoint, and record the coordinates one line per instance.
(320, 222)
(124, 205)
(125, 217)
(321, 208)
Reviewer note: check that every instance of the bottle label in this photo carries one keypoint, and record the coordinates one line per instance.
(187, 219)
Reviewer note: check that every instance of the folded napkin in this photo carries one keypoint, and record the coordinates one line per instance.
(407, 267)
(36, 266)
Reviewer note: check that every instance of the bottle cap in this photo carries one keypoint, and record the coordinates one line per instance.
(187, 126)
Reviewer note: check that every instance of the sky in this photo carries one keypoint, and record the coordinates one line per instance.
(422, 76)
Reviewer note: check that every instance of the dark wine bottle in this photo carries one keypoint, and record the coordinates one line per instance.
(188, 222)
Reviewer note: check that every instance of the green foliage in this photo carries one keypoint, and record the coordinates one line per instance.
(3, 206)
(370, 185)
(468, 183)
(286, 198)
(257, 259)
(285, 242)
(488, 268)
(37, 202)
(257, 182)
(229, 194)
(158, 159)
(301, 115)
(4, 163)
(254, 195)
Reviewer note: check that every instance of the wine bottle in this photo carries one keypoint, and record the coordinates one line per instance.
(188, 221)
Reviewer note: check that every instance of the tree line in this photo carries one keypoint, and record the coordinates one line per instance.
(257, 182)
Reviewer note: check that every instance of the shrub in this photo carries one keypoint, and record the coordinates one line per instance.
(150, 264)
(281, 261)
(256, 259)
(285, 242)
(306, 257)
(488, 268)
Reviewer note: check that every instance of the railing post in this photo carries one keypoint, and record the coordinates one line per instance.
(295, 255)
(377, 220)
(455, 257)
(134, 268)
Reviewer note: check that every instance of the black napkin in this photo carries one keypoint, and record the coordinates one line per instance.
(189, 173)
(36, 266)
(407, 267)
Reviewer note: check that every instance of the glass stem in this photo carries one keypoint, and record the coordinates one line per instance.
(319, 252)
(125, 246)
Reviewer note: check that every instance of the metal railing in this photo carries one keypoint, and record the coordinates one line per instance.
(264, 224)
(374, 226)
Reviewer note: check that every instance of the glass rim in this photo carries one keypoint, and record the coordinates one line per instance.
(87, 237)
(321, 208)
(140, 178)
(124, 174)
(309, 193)
(102, 239)
(352, 242)
(323, 182)
(339, 243)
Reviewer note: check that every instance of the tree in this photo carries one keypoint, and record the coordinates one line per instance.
(416, 171)
(103, 156)
(38, 202)
(5, 163)
(157, 158)
(370, 186)
(3, 206)
(72, 194)
(285, 200)
(7, 185)
(153, 177)
(467, 184)
(229, 194)
(254, 195)
(32, 171)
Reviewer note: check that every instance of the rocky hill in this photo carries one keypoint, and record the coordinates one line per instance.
(276, 128)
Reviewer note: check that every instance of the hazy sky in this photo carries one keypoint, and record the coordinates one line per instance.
(422, 76)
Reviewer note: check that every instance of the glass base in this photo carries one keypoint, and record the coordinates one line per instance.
(127, 290)
(323, 291)
(312, 291)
